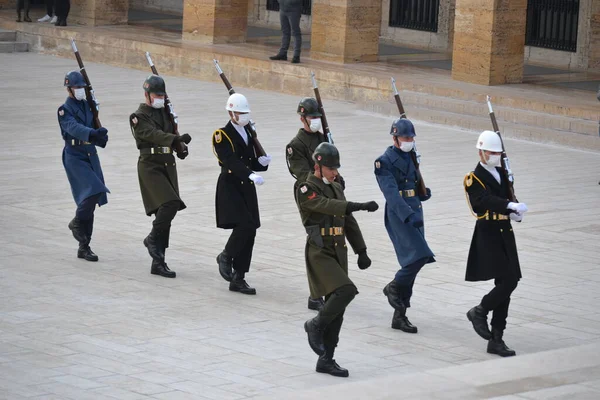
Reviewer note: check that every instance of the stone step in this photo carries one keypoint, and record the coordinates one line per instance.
(503, 114)
(8, 36)
(13, 47)
(482, 122)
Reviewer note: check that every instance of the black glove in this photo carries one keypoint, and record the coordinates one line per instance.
(427, 195)
(96, 134)
(364, 261)
(185, 138)
(369, 206)
(415, 220)
(101, 142)
(182, 155)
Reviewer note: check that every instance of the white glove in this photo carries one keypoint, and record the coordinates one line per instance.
(257, 179)
(516, 217)
(264, 160)
(520, 208)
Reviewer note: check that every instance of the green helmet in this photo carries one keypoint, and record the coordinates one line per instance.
(309, 107)
(327, 155)
(155, 84)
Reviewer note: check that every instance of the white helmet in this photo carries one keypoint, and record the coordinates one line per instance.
(237, 102)
(490, 141)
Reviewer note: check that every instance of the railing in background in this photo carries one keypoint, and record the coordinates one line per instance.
(421, 15)
(273, 5)
(552, 24)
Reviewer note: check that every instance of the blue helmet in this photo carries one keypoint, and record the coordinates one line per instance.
(74, 79)
(403, 127)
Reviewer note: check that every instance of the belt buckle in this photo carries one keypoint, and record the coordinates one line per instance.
(410, 193)
(151, 150)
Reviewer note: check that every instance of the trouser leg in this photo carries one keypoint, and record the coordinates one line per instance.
(498, 300)
(405, 280)
(294, 20)
(240, 245)
(285, 33)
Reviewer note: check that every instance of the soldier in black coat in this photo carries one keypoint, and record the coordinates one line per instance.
(236, 202)
(493, 252)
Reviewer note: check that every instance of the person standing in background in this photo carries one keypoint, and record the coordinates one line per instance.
(50, 15)
(290, 12)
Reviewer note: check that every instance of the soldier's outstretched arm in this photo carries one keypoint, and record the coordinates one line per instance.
(145, 131)
(481, 199)
(69, 124)
(391, 192)
(310, 200)
(298, 164)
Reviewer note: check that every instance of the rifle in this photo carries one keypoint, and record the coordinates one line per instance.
(180, 147)
(414, 154)
(326, 129)
(89, 91)
(258, 149)
(504, 159)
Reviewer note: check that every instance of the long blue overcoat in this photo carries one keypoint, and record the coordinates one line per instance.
(395, 172)
(81, 161)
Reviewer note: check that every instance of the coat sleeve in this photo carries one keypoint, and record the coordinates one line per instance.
(143, 129)
(391, 192)
(309, 199)
(69, 124)
(482, 199)
(354, 235)
(297, 162)
(224, 149)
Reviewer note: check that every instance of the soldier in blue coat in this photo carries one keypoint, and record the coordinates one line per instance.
(397, 178)
(81, 161)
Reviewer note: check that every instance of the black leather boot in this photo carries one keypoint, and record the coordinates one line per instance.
(238, 284)
(296, 60)
(315, 335)
(153, 244)
(225, 266)
(19, 16)
(327, 365)
(86, 252)
(402, 323)
(279, 57)
(392, 292)
(27, 18)
(78, 229)
(478, 317)
(497, 346)
(315, 304)
(161, 268)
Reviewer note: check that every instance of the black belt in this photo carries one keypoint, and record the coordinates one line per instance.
(156, 150)
(76, 142)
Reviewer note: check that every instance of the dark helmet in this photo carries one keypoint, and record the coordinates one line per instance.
(309, 107)
(402, 127)
(327, 155)
(155, 84)
(74, 79)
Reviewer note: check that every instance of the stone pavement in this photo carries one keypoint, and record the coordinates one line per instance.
(71, 329)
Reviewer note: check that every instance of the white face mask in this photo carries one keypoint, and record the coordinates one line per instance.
(158, 103)
(325, 181)
(243, 119)
(493, 160)
(79, 93)
(315, 125)
(407, 146)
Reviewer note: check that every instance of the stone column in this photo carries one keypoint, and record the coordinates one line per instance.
(99, 12)
(594, 57)
(215, 21)
(489, 41)
(345, 31)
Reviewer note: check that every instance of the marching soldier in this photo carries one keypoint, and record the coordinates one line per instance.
(81, 161)
(493, 252)
(157, 173)
(328, 220)
(236, 201)
(299, 159)
(397, 178)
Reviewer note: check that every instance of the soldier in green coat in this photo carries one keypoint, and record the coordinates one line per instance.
(154, 136)
(328, 220)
